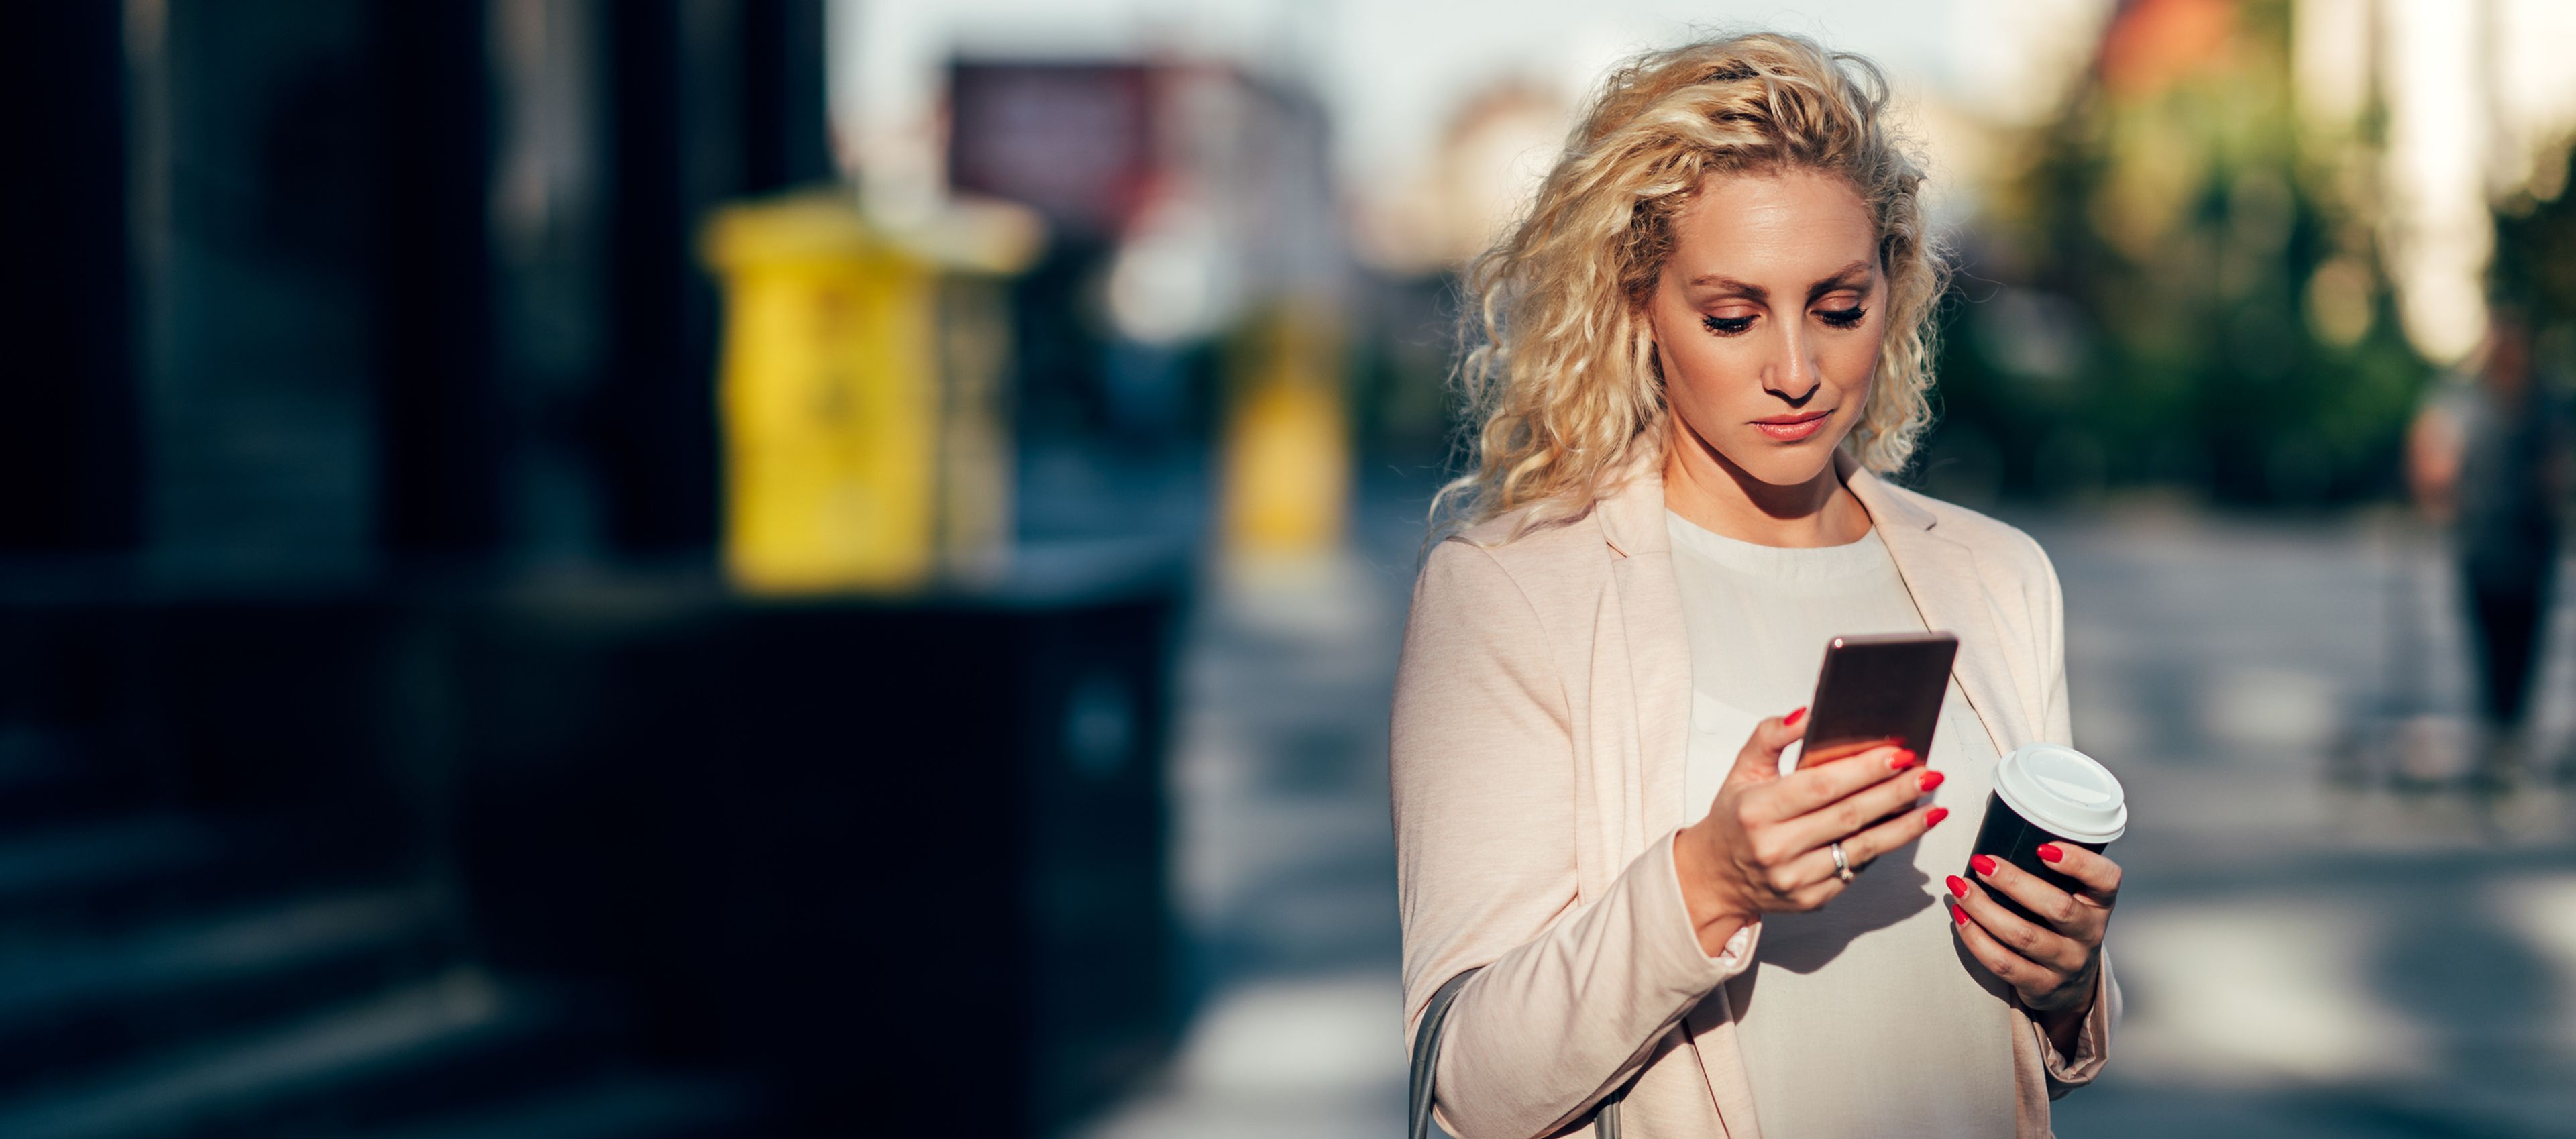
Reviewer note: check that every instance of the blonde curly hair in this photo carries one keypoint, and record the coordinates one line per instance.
(1559, 374)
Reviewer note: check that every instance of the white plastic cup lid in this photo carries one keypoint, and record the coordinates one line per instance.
(2064, 792)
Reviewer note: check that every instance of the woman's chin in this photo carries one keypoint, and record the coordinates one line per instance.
(1785, 465)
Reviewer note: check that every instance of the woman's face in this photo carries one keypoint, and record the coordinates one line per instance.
(1768, 320)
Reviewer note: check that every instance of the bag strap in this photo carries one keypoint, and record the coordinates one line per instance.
(1426, 1058)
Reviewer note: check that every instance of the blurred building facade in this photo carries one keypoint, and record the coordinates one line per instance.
(380, 745)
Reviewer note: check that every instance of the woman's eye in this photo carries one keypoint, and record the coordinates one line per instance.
(1727, 325)
(1844, 317)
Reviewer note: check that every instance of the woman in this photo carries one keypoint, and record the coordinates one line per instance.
(1699, 351)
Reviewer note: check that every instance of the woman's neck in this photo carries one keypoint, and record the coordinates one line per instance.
(1716, 495)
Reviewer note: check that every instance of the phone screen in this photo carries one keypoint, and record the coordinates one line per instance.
(1877, 690)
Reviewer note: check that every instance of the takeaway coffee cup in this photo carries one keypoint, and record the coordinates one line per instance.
(2049, 793)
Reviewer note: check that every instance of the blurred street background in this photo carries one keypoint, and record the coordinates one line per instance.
(816, 567)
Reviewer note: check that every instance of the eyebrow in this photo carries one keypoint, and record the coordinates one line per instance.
(1838, 279)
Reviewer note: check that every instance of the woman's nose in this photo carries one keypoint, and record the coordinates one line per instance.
(1794, 375)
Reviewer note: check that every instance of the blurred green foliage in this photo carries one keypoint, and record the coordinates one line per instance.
(2535, 263)
(2179, 285)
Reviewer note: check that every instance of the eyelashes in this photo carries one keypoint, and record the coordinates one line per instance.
(1738, 325)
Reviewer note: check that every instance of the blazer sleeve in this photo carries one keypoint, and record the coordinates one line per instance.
(2093, 1043)
(1575, 993)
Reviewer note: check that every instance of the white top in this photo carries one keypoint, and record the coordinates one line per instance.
(1861, 1019)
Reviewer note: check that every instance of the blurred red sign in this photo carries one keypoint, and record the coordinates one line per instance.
(1074, 141)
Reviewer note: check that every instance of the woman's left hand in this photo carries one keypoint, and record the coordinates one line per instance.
(2052, 966)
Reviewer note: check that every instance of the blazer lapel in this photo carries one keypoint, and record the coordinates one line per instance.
(1658, 644)
(1658, 649)
(1949, 590)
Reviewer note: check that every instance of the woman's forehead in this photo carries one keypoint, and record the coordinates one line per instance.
(1779, 230)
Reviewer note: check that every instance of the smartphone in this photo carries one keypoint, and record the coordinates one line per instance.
(1873, 690)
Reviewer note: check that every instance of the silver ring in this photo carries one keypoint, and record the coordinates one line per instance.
(1842, 866)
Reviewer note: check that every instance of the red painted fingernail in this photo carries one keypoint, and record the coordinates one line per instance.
(1929, 780)
(1984, 865)
(1791, 719)
(1901, 760)
(1934, 819)
(1958, 889)
(1959, 914)
(2048, 852)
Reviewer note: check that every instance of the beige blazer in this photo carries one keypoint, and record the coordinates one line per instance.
(1542, 710)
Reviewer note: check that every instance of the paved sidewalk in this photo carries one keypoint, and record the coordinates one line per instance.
(1287, 866)
(2306, 950)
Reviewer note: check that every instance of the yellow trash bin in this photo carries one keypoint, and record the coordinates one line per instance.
(841, 398)
(1287, 439)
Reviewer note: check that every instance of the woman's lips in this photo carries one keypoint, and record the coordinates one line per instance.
(1792, 430)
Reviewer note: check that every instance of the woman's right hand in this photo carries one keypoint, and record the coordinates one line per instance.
(1762, 848)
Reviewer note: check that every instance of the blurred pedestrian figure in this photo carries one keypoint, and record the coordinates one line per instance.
(2487, 457)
